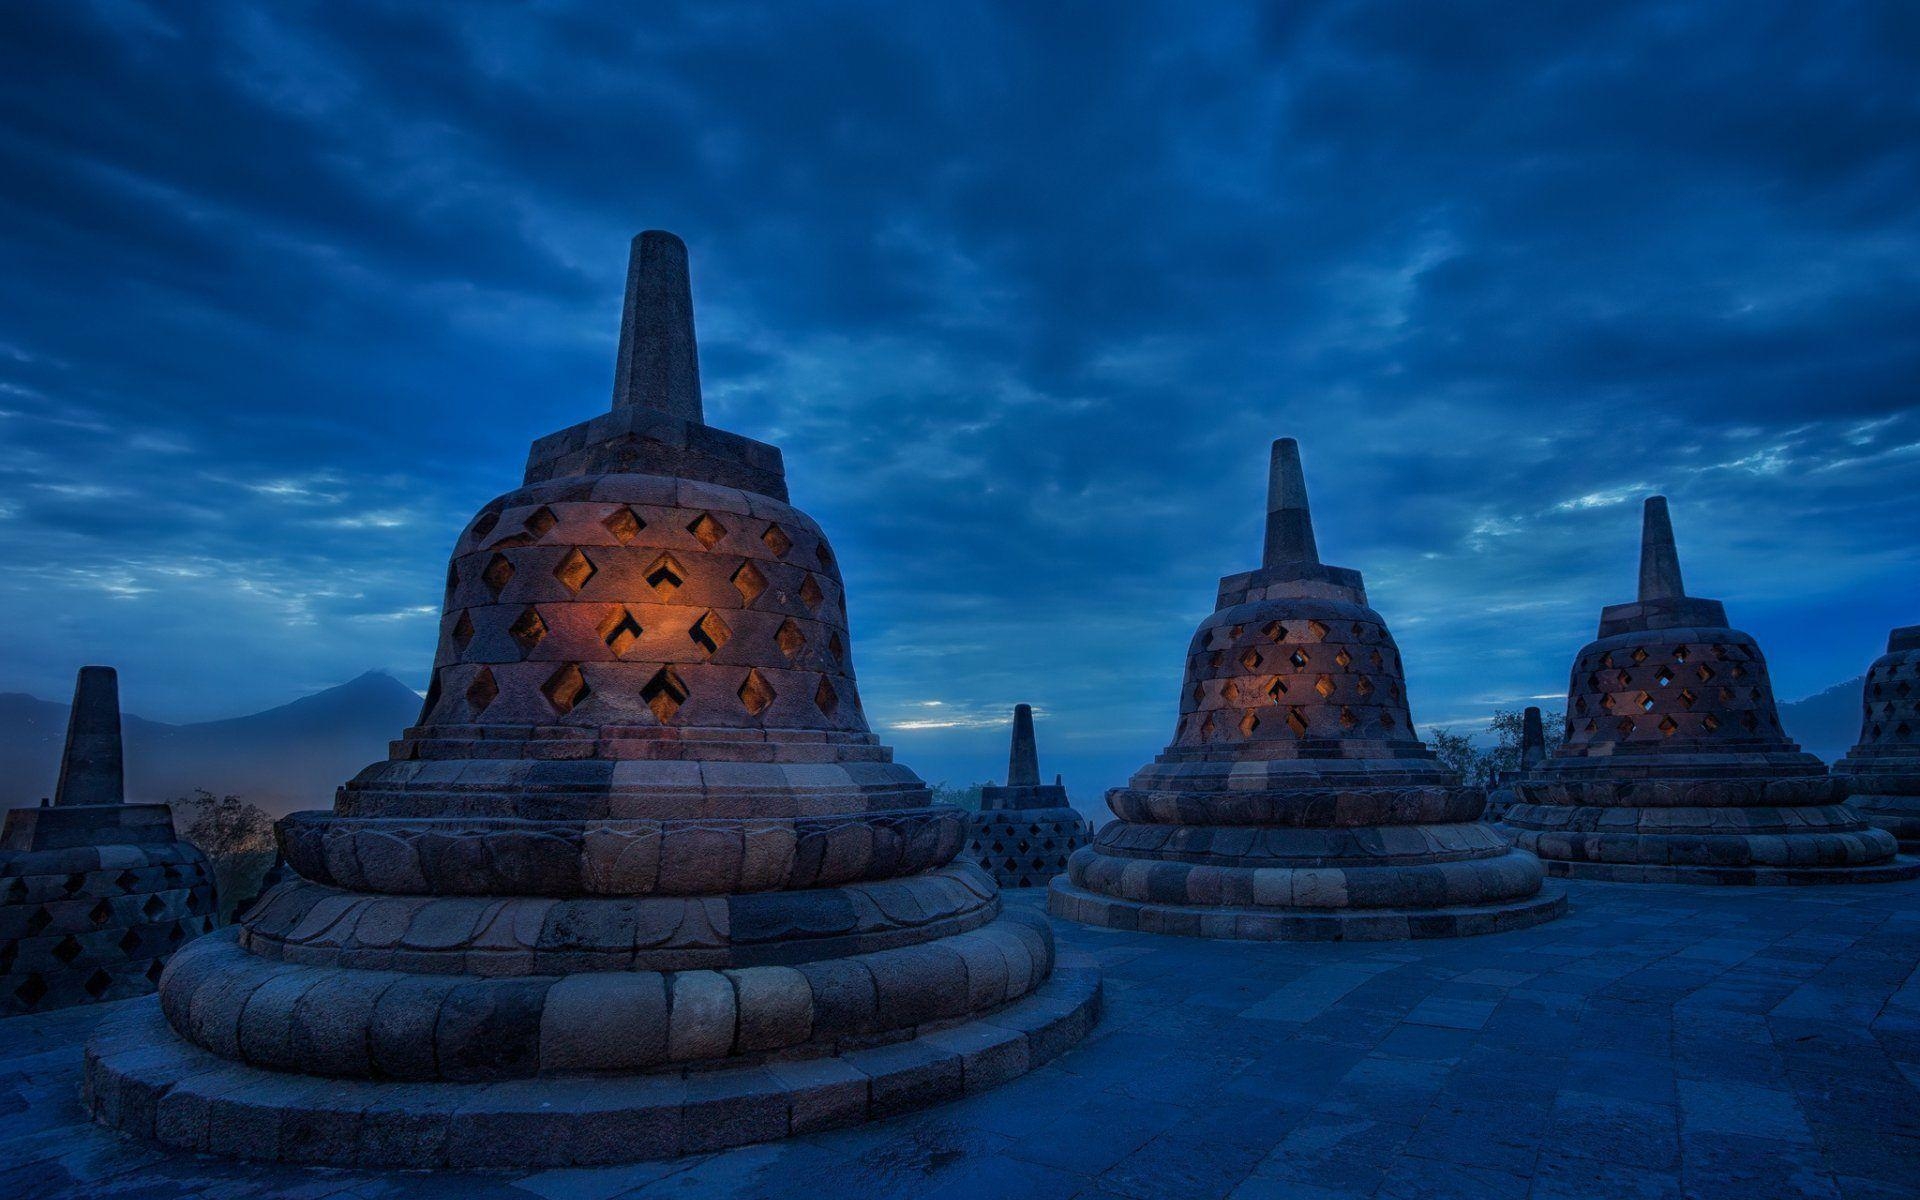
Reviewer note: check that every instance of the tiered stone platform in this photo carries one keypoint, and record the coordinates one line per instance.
(1675, 767)
(1296, 801)
(1024, 831)
(1881, 774)
(95, 894)
(641, 881)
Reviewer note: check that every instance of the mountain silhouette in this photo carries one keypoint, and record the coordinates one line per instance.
(1826, 723)
(283, 759)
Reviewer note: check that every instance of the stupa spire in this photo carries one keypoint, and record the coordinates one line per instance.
(1289, 523)
(1533, 739)
(659, 363)
(1659, 557)
(1023, 759)
(91, 771)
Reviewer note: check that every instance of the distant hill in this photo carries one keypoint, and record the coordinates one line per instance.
(1827, 724)
(285, 758)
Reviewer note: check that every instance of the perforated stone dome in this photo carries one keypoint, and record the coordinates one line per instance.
(1025, 830)
(641, 836)
(1882, 771)
(1675, 766)
(1296, 800)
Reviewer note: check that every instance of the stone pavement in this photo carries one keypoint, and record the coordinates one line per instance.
(1658, 1041)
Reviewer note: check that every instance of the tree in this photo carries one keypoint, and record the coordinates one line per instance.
(965, 797)
(1506, 728)
(236, 837)
(1457, 751)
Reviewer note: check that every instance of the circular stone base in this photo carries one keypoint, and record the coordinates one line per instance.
(1902, 867)
(1301, 925)
(143, 1079)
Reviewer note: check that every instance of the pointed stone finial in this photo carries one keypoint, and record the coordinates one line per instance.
(1289, 524)
(1023, 761)
(1659, 558)
(659, 363)
(1533, 739)
(90, 768)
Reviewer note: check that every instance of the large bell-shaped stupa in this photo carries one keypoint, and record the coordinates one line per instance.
(1675, 768)
(95, 894)
(641, 882)
(1882, 772)
(1296, 800)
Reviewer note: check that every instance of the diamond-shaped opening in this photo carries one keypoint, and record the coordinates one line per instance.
(498, 572)
(1710, 722)
(1248, 724)
(98, 983)
(777, 541)
(749, 582)
(1663, 676)
(1668, 725)
(824, 555)
(1606, 701)
(1206, 728)
(1343, 658)
(129, 942)
(1251, 659)
(1726, 694)
(1739, 672)
(1365, 686)
(1230, 692)
(74, 882)
(665, 576)
(155, 970)
(789, 638)
(1296, 721)
(462, 630)
(566, 689)
(624, 524)
(101, 913)
(811, 595)
(1386, 719)
(1347, 719)
(621, 632)
(756, 693)
(825, 698)
(1624, 678)
(1680, 654)
(32, 989)
(837, 648)
(1298, 660)
(482, 691)
(67, 949)
(710, 633)
(1276, 689)
(1606, 660)
(483, 525)
(664, 694)
(453, 575)
(1317, 629)
(1639, 654)
(1199, 694)
(1274, 631)
(1687, 697)
(527, 629)
(1645, 702)
(1324, 685)
(707, 529)
(1703, 672)
(126, 880)
(574, 570)
(540, 521)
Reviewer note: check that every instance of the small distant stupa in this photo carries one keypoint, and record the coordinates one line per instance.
(1675, 767)
(1024, 831)
(1882, 772)
(1533, 752)
(95, 894)
(1296, 801)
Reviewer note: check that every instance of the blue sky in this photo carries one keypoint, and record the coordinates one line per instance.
(1023, 291)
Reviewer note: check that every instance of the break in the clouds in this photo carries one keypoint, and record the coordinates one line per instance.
(1022, 290)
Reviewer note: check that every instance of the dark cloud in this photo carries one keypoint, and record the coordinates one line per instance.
(1023, 291)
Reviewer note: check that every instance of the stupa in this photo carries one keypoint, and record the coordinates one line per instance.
(1296, 800)
(640, 883)
(1881, 773)
(95, 894)
(1675, 767)
(1533, 752)
(1024, 831)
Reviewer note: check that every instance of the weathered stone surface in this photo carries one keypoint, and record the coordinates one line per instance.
(1882, 771)
(1675, 767)
(95, 894)
(1026, 830)
(1296, 801)
(640, 847)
